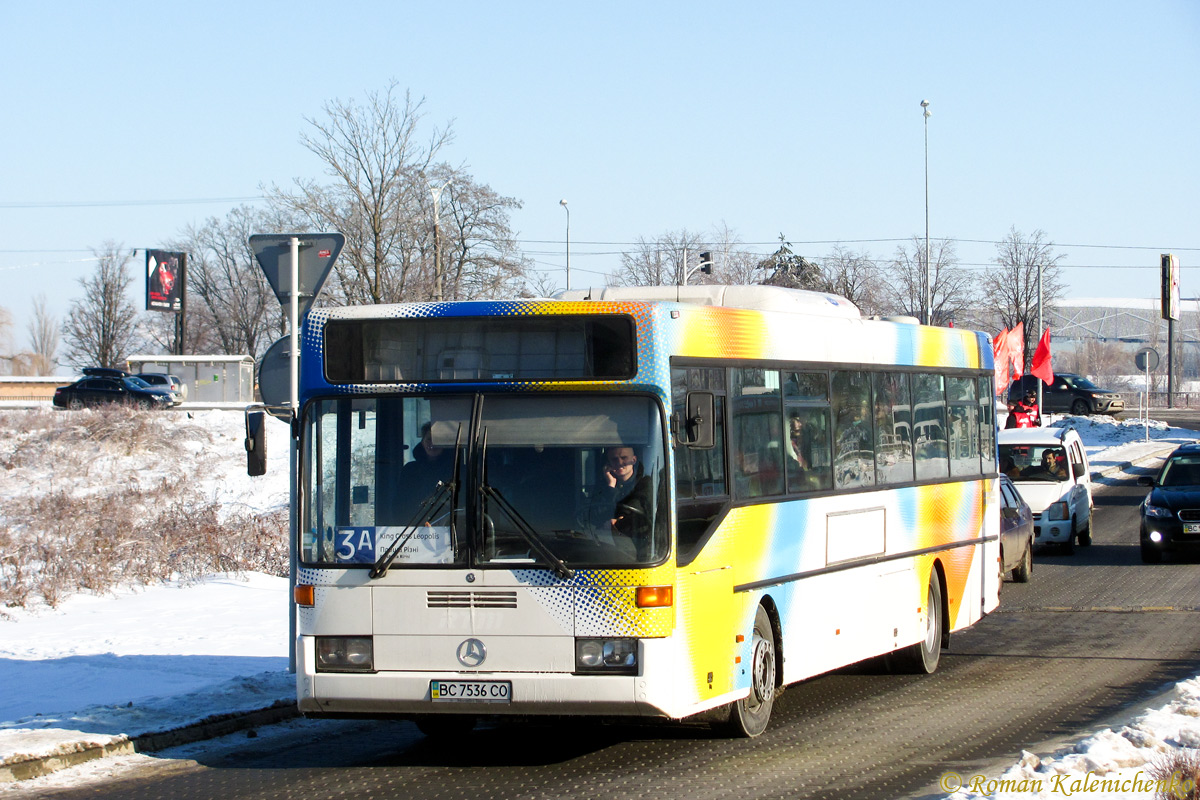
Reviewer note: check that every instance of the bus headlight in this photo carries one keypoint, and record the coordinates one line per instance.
(345, 654)
(610, 656)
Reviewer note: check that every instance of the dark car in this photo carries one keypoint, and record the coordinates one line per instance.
(1171, 512)
(102, 390)
(1069, 394)
(1016, 533)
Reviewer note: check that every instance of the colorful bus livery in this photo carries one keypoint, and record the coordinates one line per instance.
(654, 501)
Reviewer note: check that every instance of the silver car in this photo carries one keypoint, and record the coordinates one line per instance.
(168, 383)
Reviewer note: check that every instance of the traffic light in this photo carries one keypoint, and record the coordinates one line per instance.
(706, 263)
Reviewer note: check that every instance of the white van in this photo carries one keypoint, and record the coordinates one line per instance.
(1050, 469)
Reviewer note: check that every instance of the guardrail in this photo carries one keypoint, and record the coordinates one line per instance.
(1159, 400)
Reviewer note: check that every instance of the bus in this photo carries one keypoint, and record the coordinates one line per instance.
(632, 502)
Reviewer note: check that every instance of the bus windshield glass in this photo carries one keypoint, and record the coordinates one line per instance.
(536, 481)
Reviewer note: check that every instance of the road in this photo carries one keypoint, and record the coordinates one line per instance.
(1091, 634)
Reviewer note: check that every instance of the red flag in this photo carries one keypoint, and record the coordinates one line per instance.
(1002, 360)
(1016, 349)
(1041, 360)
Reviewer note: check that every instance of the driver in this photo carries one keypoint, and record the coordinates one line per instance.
(624, 494)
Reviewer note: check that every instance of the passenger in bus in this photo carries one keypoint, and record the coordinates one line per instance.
(624, 497)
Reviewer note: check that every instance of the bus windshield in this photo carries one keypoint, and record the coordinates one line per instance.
(535, 481)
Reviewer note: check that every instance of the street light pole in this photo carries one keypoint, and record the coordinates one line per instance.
(928, 281)
(563, 203)
(437, 241)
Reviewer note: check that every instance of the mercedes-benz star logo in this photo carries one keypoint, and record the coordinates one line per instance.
(471, 653)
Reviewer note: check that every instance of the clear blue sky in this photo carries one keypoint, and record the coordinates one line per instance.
(1078, 118)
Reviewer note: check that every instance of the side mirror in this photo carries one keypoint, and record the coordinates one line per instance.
(1145, 480)
(698, 421)
(256, 443)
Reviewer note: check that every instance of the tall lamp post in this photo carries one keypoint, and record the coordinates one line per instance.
(436, 191)
(563, 203)
(928, 281)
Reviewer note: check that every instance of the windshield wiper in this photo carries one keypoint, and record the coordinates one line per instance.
(528, 533)
(426, 510)
(429, 505)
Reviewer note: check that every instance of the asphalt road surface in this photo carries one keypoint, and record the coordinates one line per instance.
(1091, 634)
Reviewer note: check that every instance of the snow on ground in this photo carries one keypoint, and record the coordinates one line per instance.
(98, 669)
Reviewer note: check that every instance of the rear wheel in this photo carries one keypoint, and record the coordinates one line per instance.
(748, 717)
(1021, 572)
(923, 656)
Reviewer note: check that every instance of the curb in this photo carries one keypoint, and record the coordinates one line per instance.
(208, 728)
(1124, 465)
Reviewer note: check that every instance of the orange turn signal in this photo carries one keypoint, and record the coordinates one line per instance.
(655, 596)
(305, 595)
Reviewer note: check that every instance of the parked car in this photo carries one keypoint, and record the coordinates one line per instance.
(169, 383)
(1069, 394)
(1171, 511)
(1016, 533)
(101, 390)
(1050, 469)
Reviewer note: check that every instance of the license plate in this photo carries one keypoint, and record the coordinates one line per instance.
(470, 691)
(1191, 527)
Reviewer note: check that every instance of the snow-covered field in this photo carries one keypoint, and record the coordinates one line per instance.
(153, 658)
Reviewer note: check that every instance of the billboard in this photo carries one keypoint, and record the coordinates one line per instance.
(1170, 286)
(164, 281)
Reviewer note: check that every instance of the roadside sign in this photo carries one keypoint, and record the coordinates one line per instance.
(318, 251)
(1146, 359)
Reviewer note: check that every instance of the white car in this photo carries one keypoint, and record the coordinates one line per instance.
(1050, 469)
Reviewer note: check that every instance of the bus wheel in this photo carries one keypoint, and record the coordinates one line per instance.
(923, 657)
(440, 726)
(748, 717)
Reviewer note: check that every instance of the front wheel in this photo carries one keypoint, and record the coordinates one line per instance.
(1085, 535)
(1150, 554)
(1080, 408)
(748, 717)
(923, 657)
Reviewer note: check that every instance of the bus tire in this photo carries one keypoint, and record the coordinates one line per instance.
(748, 717)
(440, 726)
(922, 658)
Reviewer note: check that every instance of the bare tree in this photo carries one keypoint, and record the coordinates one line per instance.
(101, 326)
(734, 264)
(480, 257)
(11, 361)
(231, 308)
(43, 339)
(856, 277)
(378, 165)
(1010, 289)
(953, 289)
(660, 262)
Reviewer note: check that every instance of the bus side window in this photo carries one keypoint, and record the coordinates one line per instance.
(853, 449)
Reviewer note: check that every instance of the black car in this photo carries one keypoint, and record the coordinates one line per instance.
(1069, 394)
(101, 390)
(1171, 512)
